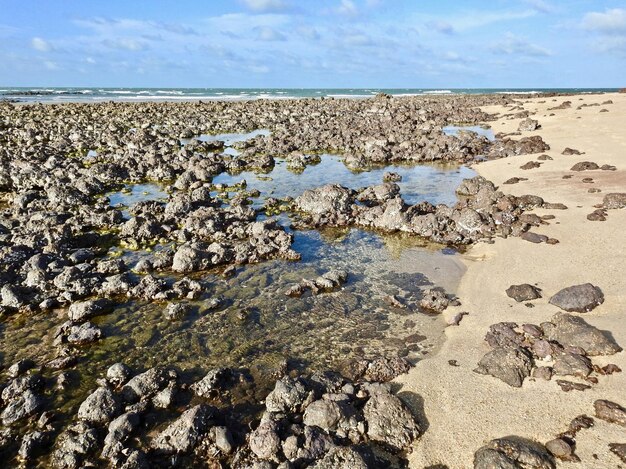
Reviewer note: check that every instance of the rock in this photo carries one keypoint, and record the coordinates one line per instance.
(542, 372)
(20, 367)
(118, 432)
(523, 292)
(579, 423)
(101, 406)
(615, 200)
(534, 237)
(569, 330)
(391, 177)
(326, 200)
(33, 444)
(572, 364)
(86, 333)
(597, 215)
(610, 412)
(323, 413)
(514, 180)
(212, 382)
(147, 384)
(223, 439)
(288, 396)
(341, 457)
(585, 166)
(618, 449)
(265, 442)
(21, 406)
(528, 125)
(177, 311)
(80, 312)
(578, 298)
(434, 299)
(561, 449)
(118, 374)
(74, 445)
(568, 386)
(382, 370)
(389, 421)
(530, 165)
(571, 151)
(509, 364)
(182, 435)
(513, 452)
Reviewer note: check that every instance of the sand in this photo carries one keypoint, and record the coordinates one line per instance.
(462, 410)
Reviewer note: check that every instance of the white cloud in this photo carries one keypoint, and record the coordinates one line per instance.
(610, 22)
(259, 68)
(348, 8)
(266, 5)
(51, 65)
(40, 44)
(513, 45)
(540, 5)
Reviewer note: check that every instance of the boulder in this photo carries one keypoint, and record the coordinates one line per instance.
(509, 364)
(578, 298)
(569, 330)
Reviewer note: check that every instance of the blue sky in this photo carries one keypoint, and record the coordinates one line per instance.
(313, 44)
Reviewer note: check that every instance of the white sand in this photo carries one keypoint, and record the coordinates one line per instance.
(464, 409)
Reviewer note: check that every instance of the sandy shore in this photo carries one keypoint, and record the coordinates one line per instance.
(464, 409)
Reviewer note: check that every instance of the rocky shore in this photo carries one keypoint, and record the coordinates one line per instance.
(59, 231)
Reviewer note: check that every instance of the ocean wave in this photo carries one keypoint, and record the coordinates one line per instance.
(438, 92)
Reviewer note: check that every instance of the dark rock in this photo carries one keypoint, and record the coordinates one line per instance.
(610, 412)
(585, 166)
(528, 125)
(568, 386)
(434, 299)
(80, 312)
(578, 298)
(74, 445)
(569, 330)
(264, 441)
(561, 449)
(572, 364)
(618, 449)
(514, 180)
(513, 452)
(511, 365)
(524, 292)
(530, 165)
(534, 237)
(118, 374)
(571, 151)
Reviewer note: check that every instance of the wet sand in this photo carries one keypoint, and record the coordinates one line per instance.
(465, 410)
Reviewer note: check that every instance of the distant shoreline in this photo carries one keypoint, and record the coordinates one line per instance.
(98, 94)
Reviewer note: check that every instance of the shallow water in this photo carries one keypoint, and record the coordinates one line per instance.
(256, 325)
(434, 183)
(455, 129)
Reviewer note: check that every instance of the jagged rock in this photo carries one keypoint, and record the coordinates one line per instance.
(524, 292)
(509, 364)
(341, 457)
(118, 374)
(101, 406)
(288, 395)
(389, 421)
(185, 432)
(80, 312)
(569, 330)
(74, 445)
(264, 441)
(615, 200)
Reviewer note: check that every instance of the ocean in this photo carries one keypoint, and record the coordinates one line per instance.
(68, 94)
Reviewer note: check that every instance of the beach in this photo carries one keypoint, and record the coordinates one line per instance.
(464, 409)
(310, 282)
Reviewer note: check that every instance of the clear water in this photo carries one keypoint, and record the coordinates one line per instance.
(455, 129)
(421, 182)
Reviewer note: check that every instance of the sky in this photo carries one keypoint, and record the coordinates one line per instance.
(313, 44)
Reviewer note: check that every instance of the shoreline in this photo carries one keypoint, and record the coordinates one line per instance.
(464, 409)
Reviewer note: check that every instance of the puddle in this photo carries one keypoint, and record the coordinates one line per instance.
(134, 193)
(454, 131)
(434, 183)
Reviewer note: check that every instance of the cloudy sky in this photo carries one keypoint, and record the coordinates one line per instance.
(312, 44)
